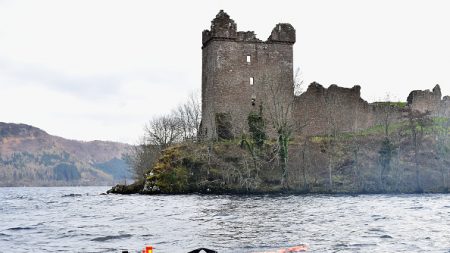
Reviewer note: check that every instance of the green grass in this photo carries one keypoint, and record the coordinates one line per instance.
(439, 125)
(393, 104)
(379, 129)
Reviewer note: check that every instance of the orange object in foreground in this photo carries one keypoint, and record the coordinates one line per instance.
(148, 249)
(295, 249)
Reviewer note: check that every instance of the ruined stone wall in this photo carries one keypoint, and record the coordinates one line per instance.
(445, 106)
(336, 109)
(323, 110)
(238, 70)
(426, 100)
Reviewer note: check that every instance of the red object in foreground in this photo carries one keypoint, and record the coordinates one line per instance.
(148, 249)
(295, 249)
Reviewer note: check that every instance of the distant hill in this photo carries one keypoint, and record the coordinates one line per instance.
(31, 157)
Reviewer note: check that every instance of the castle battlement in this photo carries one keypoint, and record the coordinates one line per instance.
(224, 28)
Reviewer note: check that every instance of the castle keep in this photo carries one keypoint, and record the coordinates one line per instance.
(241, 72)
(235, 65)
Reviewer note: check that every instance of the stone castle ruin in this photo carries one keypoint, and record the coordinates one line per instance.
(243, 74)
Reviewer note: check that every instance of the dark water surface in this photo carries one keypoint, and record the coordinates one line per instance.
(71, 219)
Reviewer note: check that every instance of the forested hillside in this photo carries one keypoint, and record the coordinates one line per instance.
(31, 157)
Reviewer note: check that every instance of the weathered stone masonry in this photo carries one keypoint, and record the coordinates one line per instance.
(234, 65)
(238, 68)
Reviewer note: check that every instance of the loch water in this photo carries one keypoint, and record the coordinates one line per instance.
(80, 219)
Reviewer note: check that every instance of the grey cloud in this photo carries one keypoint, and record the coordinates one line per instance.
(89, 87)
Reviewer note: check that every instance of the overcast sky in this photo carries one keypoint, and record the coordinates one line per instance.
(90, 69)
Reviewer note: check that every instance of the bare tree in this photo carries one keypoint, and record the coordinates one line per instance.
(386, 153)
(388, 113)
(442, 134)
(387, 116)
(279, 100)
(163, 131)
(188, 115)
(142, 158)
(387, 149)
(417, 122)
(355, 147)
(298, 82)
(279, 96)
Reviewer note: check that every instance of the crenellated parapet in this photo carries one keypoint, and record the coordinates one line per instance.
(224, 28)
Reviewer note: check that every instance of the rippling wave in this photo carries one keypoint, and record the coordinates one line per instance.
(70, 219)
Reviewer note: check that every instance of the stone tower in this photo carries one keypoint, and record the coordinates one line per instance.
(238, 70)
